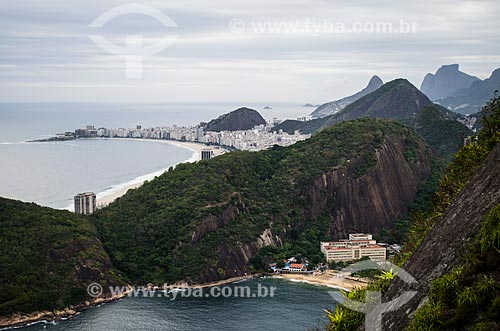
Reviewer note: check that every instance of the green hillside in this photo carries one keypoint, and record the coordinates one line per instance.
(47, 258)
(201, 221)
(397, 99)
(402, 101)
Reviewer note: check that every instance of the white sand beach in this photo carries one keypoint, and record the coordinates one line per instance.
(328, 280)
(106, 198)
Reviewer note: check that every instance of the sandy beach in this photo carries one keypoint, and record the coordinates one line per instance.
(106, 198)
(325, 280)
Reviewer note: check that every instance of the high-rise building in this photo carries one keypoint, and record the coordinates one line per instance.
(198, 133)
(85, 203)
(207, 154)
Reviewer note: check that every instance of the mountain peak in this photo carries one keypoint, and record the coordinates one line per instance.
(402, 82)
(396, 99)
(334, 107)
(243, 118)
(375, 82)
(447, 80)
(470, 100)
(495, 74)
(448, 68)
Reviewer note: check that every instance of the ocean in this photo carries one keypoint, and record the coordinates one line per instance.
(295, 306)
(51, 173)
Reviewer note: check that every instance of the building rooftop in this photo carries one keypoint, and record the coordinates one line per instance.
(85, 193)
(348, 248)
(296, 265)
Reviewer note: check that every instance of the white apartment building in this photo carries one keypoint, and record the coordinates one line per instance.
(85, 203)
(358, 245)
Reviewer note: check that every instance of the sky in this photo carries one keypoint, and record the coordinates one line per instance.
(236, 51)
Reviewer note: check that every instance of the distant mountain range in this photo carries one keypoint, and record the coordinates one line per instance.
(446, 81)
(239, 119)
(448, 87)
(470, 100)
(333, 107)
(398, 100)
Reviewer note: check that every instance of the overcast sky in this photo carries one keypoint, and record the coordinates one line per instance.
(46, 53)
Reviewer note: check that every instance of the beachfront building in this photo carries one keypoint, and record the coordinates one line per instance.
(297, 267)
(256, 139)
(207, 154)
(294, 268)
(85, 203)
(358, 245)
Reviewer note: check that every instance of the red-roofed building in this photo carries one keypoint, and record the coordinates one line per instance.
(297, 267)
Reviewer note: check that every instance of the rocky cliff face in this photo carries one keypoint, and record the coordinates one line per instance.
(447, 80)
(235, 262)
(446, 245)
(372, 202)
(356, 202)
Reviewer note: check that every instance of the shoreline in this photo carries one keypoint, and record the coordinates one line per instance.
(47, 316)
(227, 281)
(327, 280)
(109, 195)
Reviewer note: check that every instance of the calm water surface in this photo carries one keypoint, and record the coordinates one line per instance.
(295, 306)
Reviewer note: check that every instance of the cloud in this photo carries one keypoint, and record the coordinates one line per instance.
(46, 49)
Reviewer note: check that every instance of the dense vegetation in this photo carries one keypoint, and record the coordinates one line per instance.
(47, 258)
(469, 296)
(459, 296)
(441, 130)
(176, 228)
(397, 99)
(458, 174)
